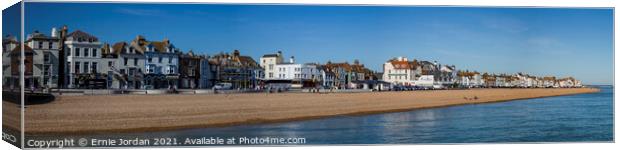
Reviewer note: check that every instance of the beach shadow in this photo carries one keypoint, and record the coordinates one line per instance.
(30, 98)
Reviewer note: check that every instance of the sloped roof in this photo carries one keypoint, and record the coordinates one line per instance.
(226, 59)
(18, 49)
(247, 60)
(82, 34)
(344, 66)
(159, 46)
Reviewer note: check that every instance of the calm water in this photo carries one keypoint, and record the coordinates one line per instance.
(576, 118)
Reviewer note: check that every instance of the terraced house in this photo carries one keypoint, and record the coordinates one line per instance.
(346, 75)
(243, 72)
(341, 72)
(82, 51)
(15, 56)
(45, 59)
(190, 70)
(129, 66)
(161, 65)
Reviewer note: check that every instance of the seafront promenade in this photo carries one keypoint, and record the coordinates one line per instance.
(135, 113)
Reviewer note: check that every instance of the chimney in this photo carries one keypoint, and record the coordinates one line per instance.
(54, 32)
(236, 53)
(166, 41)
(292, 60)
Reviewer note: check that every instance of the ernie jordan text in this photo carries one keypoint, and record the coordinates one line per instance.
(120, 142)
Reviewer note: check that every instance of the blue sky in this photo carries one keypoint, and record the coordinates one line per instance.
(539, 41)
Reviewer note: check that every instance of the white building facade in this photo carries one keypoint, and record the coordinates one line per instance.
(400, 71)
(45, 59)
(83, 57)
(268, 62)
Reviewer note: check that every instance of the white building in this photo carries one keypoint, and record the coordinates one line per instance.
(83, 57)
(400, 71)
(328, 78)
(470, 79)
(269, 62)
(447, 75)
(45, 59)
(425, 81)
(301, 75)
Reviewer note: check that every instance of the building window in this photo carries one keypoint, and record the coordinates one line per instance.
(150, 69)
(94, 52)
(77, 67)
(110, 63)
(77, 52)
(125, 61)
(85, 66)
(46, 70)
(49, 46)
(270, 75)
(93, 67)
(135, 61)
(86, 52)
(160, 59)
(150, 59)
(46, 58)
(40, 45)
(170, 60)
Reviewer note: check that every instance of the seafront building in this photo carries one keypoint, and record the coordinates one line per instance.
(300, 75)
(205, 73)
(189, 70)
(130, 64)
(269, 62)
(15, 56)
(349, 76)
(327, 77)
(401, 71)
(110, 60)
(470, 79)
(297, 75)
(45, 59)
(9, 43)
(243, 72)
(161, 65)
(83, 59)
